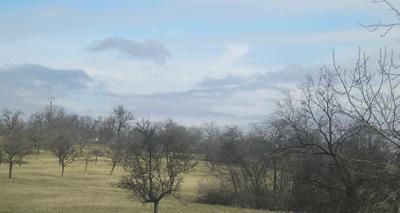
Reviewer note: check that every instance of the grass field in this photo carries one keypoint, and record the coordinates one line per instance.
(38, 187)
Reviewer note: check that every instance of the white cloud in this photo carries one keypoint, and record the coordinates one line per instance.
(233, 52)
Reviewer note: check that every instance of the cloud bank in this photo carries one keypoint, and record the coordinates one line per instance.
(28, 86)
(232, 99)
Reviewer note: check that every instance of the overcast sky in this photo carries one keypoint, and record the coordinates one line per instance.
(191, 60)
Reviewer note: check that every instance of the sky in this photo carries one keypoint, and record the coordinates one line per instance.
(195, 61)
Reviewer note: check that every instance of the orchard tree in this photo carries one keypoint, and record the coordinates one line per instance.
(161, 155)
(64, 148)
(13, 134)
(36, 130)
(86, 131)
(211, 136)
(62, 138)
(96, 152)
(87, 155)
(120, 125)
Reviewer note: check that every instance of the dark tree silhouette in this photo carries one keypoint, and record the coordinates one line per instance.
(157, 162)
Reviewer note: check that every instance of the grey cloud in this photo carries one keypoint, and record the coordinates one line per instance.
(27, 86)
(35, 76)
(149, 49)
(291, 74)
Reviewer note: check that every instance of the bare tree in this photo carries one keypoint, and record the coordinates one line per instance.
(64, 148)
(62, 138)
(120, 124)
(91, 152)
(243, 177)
(157, 162)
(96, 152)
(373, 97)
(211, 139)
(87, 155)
(13, 134)
(104, 131)
(36, 129)
(276, 133)
(322, 129)
(86, 131)
(373, 100)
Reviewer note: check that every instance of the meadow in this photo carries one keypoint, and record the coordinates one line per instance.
(36, 187)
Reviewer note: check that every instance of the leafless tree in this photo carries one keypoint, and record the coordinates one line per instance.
(211, 136)
(36, 129)
(120, 125)
(158, 161)
(13, 134)
(104, 131)
(276, 132)
(62, 138)
(373, 99)
(87, 155)
(323, 129)
(64, 148)
(86, 131)
(96, 152)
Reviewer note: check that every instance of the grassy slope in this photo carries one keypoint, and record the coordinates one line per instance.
(37, 187)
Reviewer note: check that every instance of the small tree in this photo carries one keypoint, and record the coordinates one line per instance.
(211, 135)
(26, 149)
(157, 162)
(65, 150)
(119, 124)
(85, 131)
(1, 148)
(97, 152)
(36, 129)
(13, 144)
(62, 138)
(87, 155)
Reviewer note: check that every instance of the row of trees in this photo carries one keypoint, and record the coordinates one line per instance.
(331, 147)
(154, 154)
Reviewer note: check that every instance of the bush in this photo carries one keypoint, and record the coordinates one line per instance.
(221, 193)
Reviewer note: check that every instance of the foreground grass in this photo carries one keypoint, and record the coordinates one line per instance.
(38, 187)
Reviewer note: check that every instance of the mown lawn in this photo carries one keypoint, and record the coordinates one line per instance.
(38, 187)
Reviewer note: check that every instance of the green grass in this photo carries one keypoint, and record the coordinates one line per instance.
(38, 187)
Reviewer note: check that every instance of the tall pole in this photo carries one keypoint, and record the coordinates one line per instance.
(51, 99)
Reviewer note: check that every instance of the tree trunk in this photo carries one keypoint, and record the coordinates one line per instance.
(212, 166)
(20, 160)
(62, 169)
(38, 149)
(86, 164)
(95, 161)
(113, 167)
(10, 168)
(274, 181)
(1, 157)
(156, 206)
